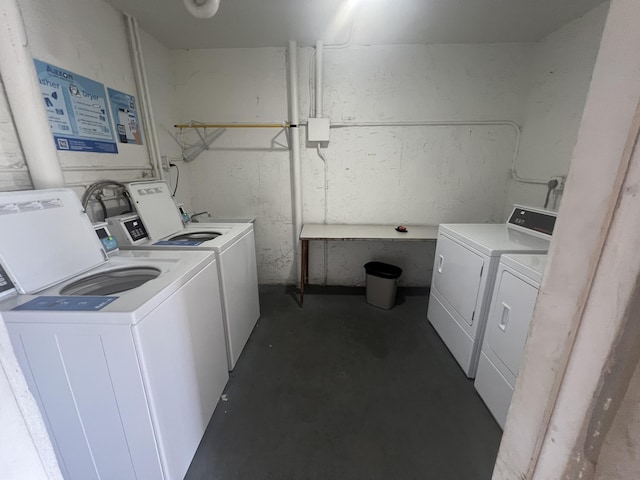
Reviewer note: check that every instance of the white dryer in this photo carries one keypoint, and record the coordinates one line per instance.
(514, 296)
(466, 261)
(158, 225)
(124, 355)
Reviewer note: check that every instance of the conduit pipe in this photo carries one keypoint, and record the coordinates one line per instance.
(319, 61)
(295, 153)
(25, 99)
(142, 85)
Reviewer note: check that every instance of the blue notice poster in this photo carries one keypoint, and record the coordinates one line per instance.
(125, 114)
(77, 110)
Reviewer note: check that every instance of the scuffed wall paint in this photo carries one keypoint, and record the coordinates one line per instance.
(619, 457)
(245, 173)
(559, 78)
(411, 175)
(606, 442)
(14, 174)
(157, 60)
(422, 82)
(375, 175)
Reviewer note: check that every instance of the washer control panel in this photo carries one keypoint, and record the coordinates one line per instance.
(5, 283)
(128, 229)
(109, 242)
(136, 229)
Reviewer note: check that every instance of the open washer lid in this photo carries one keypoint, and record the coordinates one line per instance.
(46, 238)
(156, 208)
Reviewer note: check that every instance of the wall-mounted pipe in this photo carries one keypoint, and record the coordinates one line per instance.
(233, 125)
(25, 99)
(142, 85)
(319, 62)
(294, 132)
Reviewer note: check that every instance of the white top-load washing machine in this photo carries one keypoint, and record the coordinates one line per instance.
(158, 225)
(124, 355)
(514, 296)
(466, 261)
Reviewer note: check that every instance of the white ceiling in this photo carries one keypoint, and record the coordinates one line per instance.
(272, 23)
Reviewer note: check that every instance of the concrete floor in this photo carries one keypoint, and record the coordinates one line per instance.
(344, 390)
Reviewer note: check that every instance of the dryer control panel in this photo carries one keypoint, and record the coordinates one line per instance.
(533, 220)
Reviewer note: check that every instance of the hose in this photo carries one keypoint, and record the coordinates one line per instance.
(96, 186)
(104, 207)
(551, 186)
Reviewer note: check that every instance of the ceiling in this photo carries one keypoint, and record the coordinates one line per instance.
(272, 23)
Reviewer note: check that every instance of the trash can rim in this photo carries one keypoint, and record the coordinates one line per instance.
(383, 270)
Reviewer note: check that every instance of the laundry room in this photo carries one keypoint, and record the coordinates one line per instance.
(283, 115)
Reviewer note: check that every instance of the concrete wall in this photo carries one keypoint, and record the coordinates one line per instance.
(87, 38)
(245, 173)
(620, 454)
(157, 61)
(384, 175)
(14, 174)
(559, 78)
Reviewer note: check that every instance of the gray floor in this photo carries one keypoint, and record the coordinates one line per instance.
(344, 390)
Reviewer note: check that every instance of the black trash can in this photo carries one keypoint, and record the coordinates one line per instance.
(382, 284)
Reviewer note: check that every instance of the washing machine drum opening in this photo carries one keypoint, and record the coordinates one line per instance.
(203, 236)
(112, 282)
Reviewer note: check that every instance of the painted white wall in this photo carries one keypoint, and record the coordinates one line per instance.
(89, 38)
(619, 458)
(375, 175)
(411, 175)
(245, 173)
(157, 60)
(559, 79)
(86, 37)
(14, 174)
(26, 452)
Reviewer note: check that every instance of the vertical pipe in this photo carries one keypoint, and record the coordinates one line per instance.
(319, 62)
(142, 85)
(295, 152)
(25, 99)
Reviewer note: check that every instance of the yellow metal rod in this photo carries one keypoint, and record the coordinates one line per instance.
(233, 125)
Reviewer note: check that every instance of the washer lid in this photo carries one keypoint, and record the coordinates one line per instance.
(156, 208)
(46, 238)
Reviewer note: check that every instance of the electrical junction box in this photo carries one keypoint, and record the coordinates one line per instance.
(318, 130)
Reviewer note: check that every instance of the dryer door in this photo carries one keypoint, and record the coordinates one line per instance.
(509, 318)
(456, 276)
